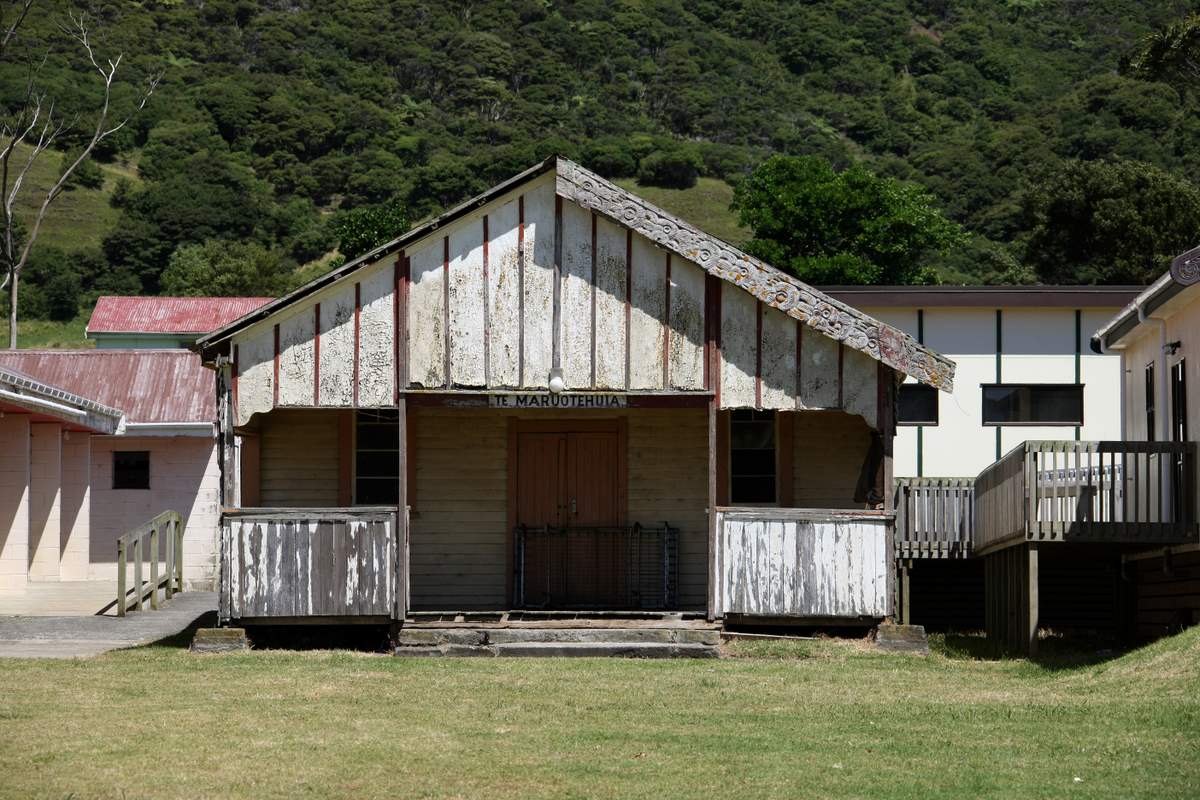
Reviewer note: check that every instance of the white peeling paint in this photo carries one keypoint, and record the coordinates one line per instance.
(778, 360)
(377, 325)
(610, 305)
(256, 372)
(296, 358)
(860, 381)
(539, 284)
(576, 316)
(466, 303)
(687, 325)
(818, 371)
(739, 346)
(426, 334)
(337, 347)
(647, 315)
(503, 296)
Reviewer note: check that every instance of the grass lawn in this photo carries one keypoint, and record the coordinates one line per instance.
(705, 205)
(809, 719)
(47, 333)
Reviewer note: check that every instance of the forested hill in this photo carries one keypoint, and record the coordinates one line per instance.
(275, 120)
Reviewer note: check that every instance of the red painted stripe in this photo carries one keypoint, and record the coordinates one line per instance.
(628, 300)
(593, 383)
(717, 284)
(487, 334)
(667, 328)
(799, 359)
(234, 381)
(357, 314)
(275, 385)
(317, 354)
(397, 268)
(521, 290)
(446, 308)
(758, 325)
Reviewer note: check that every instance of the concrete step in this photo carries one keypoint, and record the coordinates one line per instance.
(425, 637)
(565, 650)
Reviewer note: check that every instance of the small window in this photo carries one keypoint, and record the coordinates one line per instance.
(917, 405)
(1150, 402)
(1033, 404)
(1179, 431)
(131, 469)
(752, 457)
(377, 458)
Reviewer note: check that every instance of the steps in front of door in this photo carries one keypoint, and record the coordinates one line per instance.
(560, 642)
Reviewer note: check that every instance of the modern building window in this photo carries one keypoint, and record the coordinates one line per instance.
(917, 404)
(1150, 402)
(377, 458)
(131, 469)
(752, 457)
(1033, 404)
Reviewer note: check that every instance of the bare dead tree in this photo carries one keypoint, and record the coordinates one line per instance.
(37, 125)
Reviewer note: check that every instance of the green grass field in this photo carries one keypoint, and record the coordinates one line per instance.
(48, 333)
(819, 719)
(705, 205)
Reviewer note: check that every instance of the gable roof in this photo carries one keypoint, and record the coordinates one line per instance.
(769, 285)
(150, 386)
(168, 315)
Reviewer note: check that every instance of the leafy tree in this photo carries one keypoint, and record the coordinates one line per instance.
(672, 168)
(363, 229)
(1170, 54)
(227, 269)
(1116, 222)
(849, 227)
(87, 175)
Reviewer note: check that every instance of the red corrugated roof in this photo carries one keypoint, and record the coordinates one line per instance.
(148, 385)
(169, 314)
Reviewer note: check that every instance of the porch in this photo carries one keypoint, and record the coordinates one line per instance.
(517, 512)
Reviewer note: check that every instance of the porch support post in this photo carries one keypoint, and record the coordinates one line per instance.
(1029, 632)
(713, 578)
(401, 581)
(227, 452)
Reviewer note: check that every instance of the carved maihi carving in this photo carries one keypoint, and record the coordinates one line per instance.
(855, 329)
(1185, 267)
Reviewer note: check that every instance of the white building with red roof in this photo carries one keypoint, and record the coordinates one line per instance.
(155, 322)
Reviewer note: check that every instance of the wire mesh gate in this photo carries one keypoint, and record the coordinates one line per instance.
(615, 568)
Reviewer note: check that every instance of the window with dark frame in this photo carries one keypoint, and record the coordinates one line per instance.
(1150, 402)
(917, 404)
(752, 465)
(377, 458)
(131, 469)
(1033, 404)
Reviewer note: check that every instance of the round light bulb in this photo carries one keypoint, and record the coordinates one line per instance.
(557, 384)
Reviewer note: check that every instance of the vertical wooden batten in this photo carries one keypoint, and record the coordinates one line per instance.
(275, 367)
(521, 290)
(712, 381)
(593, 298)
(317, 354)
(346, 458)
(628, 304)
(357, 331)
(666, 347)
(446, 349)
(487, 311)
(556, 294)
(758, 350)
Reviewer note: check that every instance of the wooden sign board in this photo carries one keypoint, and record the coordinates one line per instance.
(571, 401)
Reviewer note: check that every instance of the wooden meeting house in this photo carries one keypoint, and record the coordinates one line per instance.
(558, 397)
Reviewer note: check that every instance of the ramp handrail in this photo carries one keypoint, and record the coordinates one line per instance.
(164, 535)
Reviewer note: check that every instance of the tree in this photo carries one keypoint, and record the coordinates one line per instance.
(852, 227)
(1114, 222)
(361, 230)
(33, 127)
(227, 269)
(672, 168)
(1170, 55)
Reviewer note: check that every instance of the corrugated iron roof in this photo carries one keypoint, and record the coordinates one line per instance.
(169, 314)
(148, 385)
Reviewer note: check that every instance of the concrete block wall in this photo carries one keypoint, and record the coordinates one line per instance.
(184, 476)
(45, 497)
(75, 506)
(14, 503)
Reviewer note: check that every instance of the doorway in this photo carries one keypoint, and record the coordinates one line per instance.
(570, 546)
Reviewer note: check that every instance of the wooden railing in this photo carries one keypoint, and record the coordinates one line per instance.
(158, 541)
(814, 564)
(935, 517)
(632, 567)
(1137, 492)
(303, 563)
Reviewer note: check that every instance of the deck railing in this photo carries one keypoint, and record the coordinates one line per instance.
(935, 517)
(1141, 492)
(159, 540)
(631, 567)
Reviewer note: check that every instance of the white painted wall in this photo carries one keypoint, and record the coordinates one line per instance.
(45, 498)
(1038, 346)
(14, 503)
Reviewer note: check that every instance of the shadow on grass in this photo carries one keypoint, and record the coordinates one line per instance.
(1055, 651)
(183, 639)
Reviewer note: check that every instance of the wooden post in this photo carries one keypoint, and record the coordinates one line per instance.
(177, 527)
(712, 511)
(906, 592)
(121, 589)
(1031, 608)
(169, 562)
(137, 573)
(154, 568)
(225, 424)
(401, 581)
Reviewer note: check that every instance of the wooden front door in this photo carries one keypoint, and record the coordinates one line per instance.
(568, 501)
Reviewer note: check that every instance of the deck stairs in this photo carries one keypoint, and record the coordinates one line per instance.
(523, 634)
